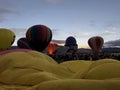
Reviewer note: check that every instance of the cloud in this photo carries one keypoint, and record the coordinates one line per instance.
(58, 41)
(109, 33)
(2, 18)
(79, 35)
(5, 3)
(111, 29)
(19, 32)
(85, 34)
(55, 31)
(114, 26)
(3, 12)
(5, 9)
(54, 1)
(113, 43)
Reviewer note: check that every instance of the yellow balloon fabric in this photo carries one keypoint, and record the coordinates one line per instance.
(24, 69)
(104, 69)
(7, 38)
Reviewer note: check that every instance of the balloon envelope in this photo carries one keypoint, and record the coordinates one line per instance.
(96, 43)
(70, 41)
(52, 48)
(23, 43)
(39, 36)
(14, 50)
(7, 38)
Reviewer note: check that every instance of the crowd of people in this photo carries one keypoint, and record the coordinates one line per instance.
(83, 56)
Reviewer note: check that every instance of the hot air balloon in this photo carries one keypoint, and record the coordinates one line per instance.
(24, 43)
(71, 42)
(52, 48)
(39, 36)
(7, 38)
(96, 43)
(14, 50)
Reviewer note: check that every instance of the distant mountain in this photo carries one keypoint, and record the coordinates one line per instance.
(84, 50)
(111, 49)
(113, 43)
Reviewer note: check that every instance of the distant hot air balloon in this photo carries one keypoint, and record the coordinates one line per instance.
(96, 43)
(71, 42)
(52, 48)
(7, 38)
(39, 36)
(24, 43)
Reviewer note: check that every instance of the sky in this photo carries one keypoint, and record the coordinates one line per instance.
(81, 19)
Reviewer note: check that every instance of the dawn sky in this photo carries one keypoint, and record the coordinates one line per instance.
(79, 18)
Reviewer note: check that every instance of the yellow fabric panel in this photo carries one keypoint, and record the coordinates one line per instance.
(102, 61)
(77, 65)
(36, 71)
(78, 84)
(21, 67)
(36, 54)
(104, 71)
(13, 87)
(93, 71)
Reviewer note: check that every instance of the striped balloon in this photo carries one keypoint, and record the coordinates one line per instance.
(96, 43)
(23, 43)
(39, 36)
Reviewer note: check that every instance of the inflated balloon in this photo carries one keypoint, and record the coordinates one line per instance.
(96, 43)
(71, 43)
(14, 50)
(7, 38)
(52, 48)
(39, 36)
(24, 43)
